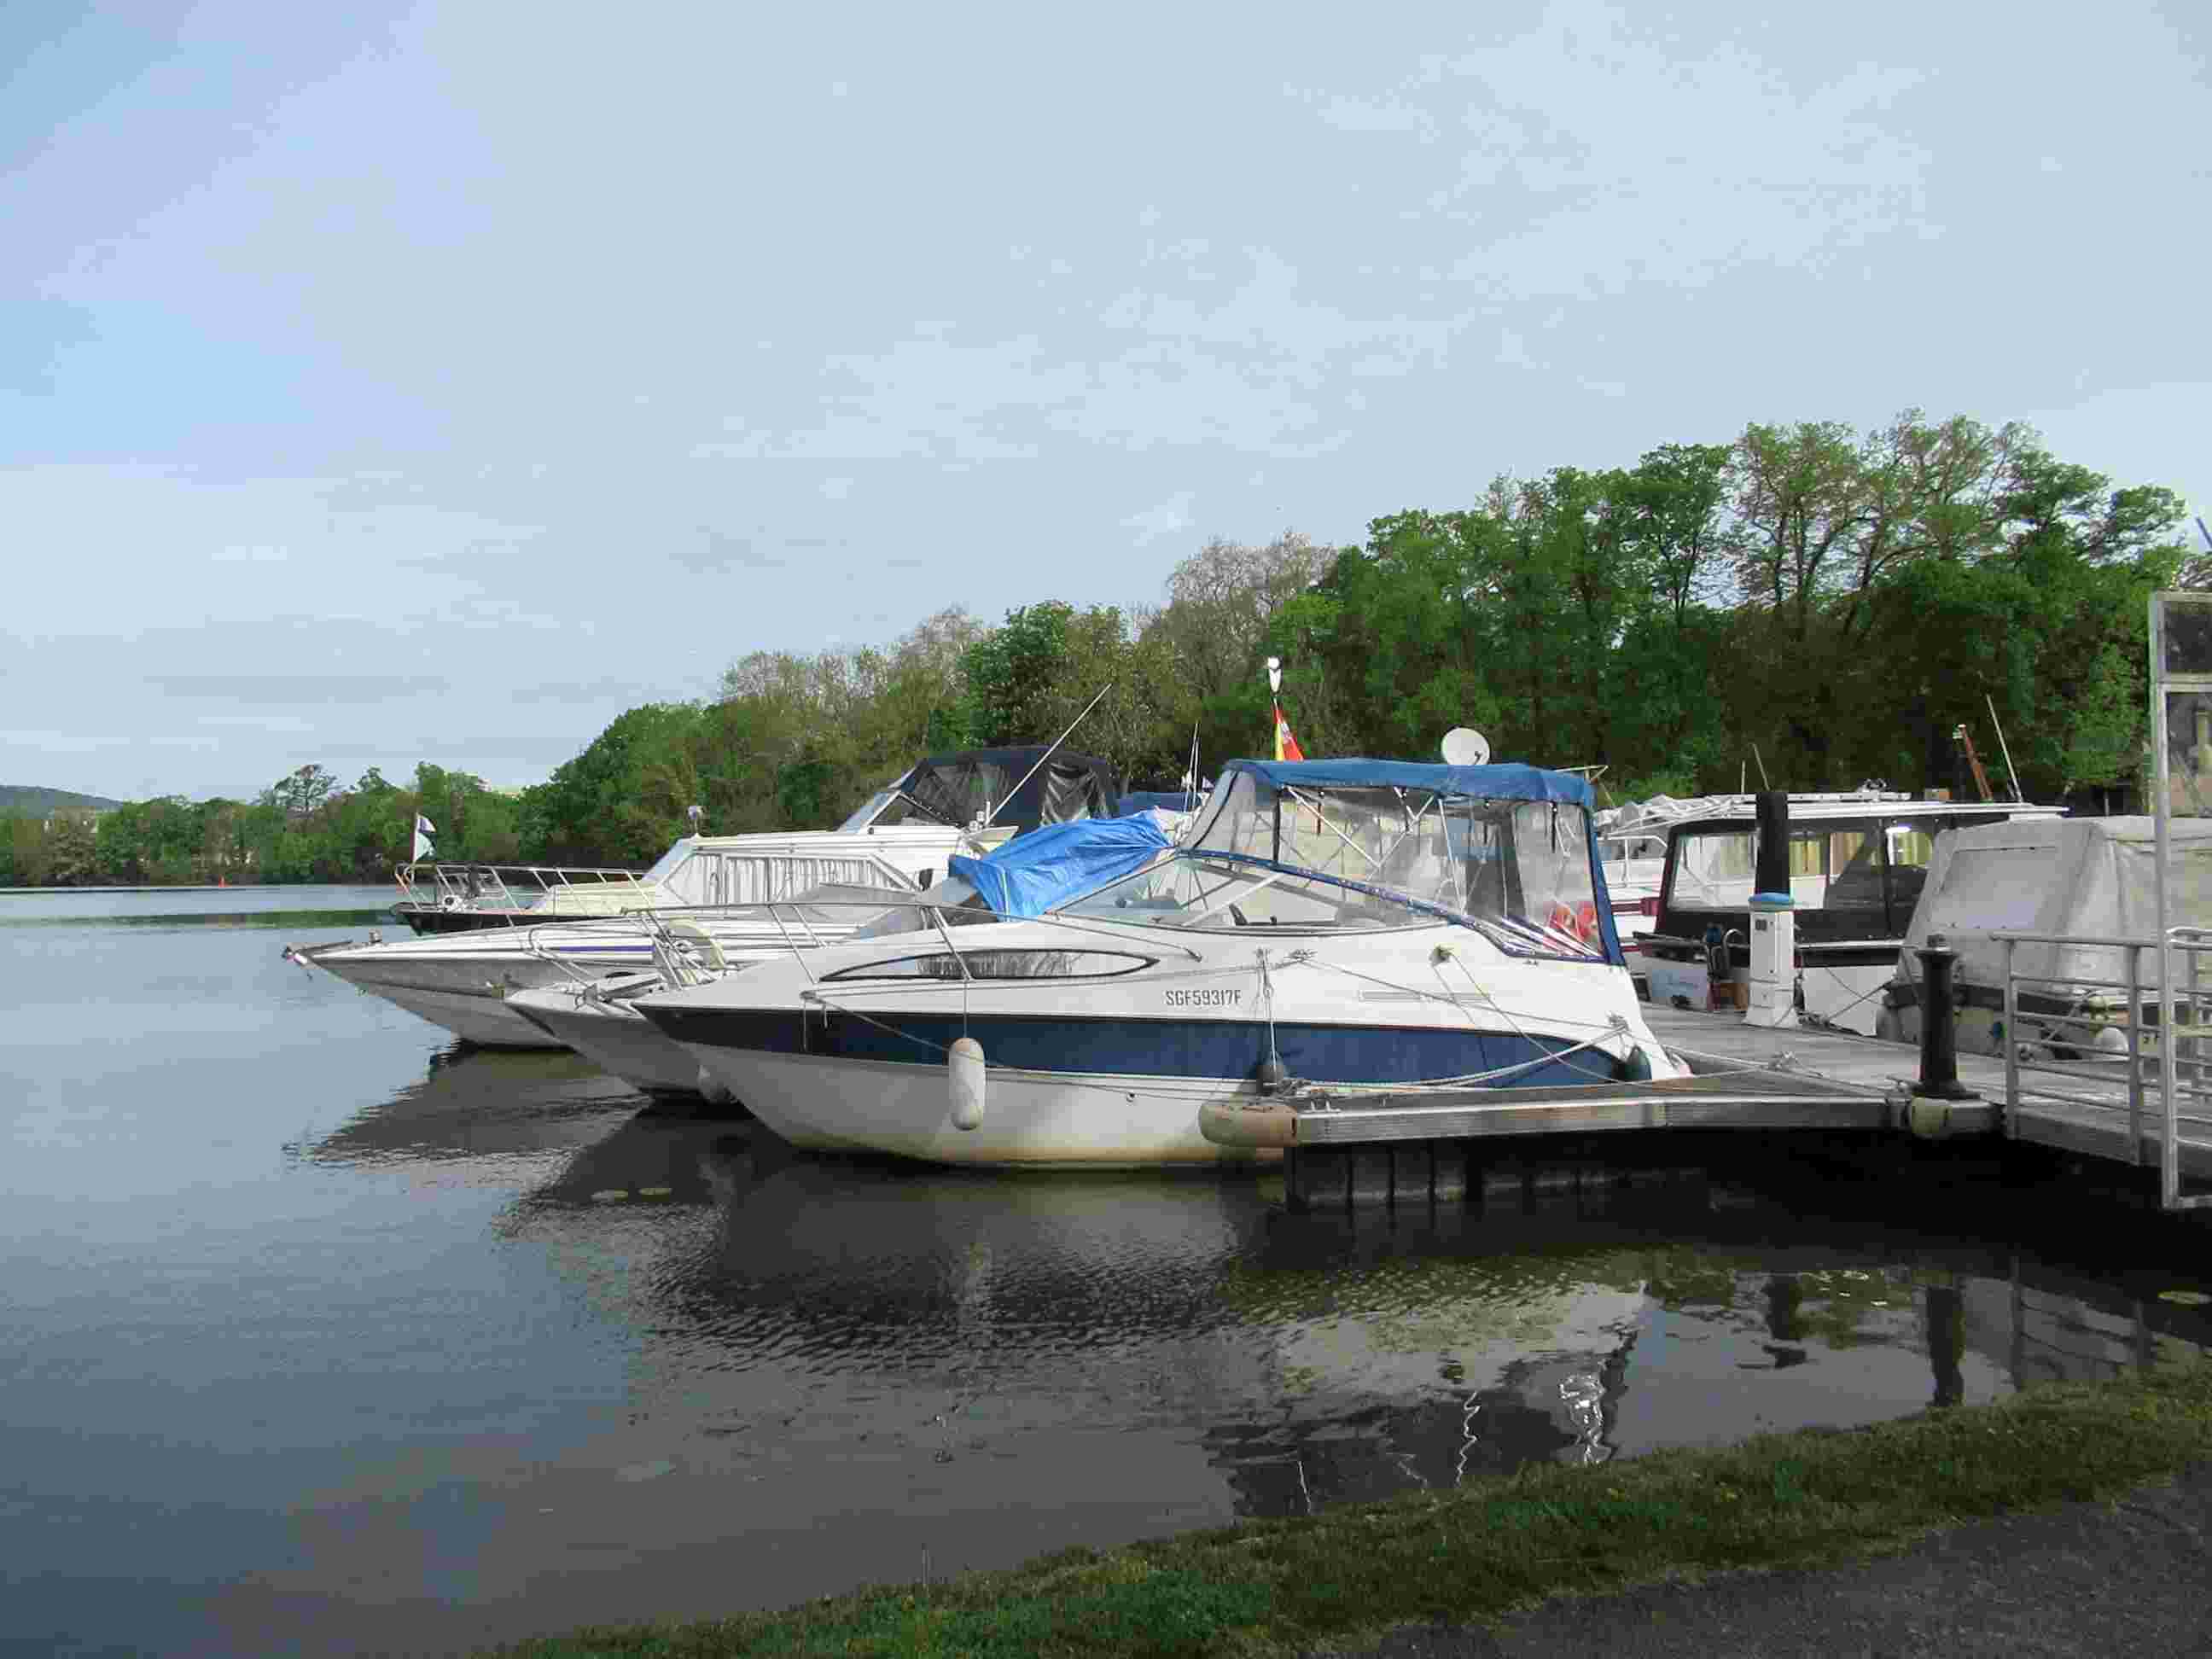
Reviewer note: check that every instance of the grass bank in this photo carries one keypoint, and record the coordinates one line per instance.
(1347, 1575)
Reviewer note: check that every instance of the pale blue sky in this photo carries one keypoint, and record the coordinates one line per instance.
(386, 383)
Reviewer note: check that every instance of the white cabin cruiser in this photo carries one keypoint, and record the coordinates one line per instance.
(1857, 862)
(1349, 922)
(2078, 883)
(1632, 847)
(599, 1020)
(898, 842)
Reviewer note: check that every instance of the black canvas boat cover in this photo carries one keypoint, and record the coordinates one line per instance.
(959, 787)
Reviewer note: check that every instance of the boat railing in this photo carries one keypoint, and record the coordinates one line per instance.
(690, 942)
(688, 946)
(2172, 1016)
(494, 887)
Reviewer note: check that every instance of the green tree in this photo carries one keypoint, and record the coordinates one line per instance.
(302, 792)
(598, 808)
(72, 852)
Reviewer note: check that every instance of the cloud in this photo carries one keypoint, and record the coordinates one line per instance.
(1166, 517)
(709, 549)
(317, 689)
(609, 690)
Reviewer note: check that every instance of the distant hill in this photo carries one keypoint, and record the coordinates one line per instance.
(32, 801)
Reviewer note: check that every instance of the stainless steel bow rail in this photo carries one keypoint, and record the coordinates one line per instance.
(513, 891)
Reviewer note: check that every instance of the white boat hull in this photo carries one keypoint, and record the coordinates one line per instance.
(461, 985)
(473, 1015)
(1038, 1119)
(619, 1041)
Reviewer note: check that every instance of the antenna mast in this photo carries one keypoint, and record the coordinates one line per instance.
(2019, 800)
(984, 822)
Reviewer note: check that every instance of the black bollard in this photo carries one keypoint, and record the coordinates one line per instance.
(1939, 1024)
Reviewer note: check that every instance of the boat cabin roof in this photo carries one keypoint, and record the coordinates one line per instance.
(1733, 810)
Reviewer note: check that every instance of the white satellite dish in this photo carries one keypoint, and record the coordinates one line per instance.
(1464, 746)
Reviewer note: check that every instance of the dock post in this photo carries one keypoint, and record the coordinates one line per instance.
(1773, 986)
(1939, 1024)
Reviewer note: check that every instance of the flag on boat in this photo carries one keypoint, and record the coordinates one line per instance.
(1287, 746)
(423, 830)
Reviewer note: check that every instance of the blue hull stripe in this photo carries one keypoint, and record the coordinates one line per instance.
(1228, 1050)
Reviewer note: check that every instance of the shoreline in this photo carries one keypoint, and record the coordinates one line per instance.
(187, 887)
(1435, 1571)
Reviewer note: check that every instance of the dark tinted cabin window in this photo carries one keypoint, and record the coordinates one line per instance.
(999, 964)
(1837, 876)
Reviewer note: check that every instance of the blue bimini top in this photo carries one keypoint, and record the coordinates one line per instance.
(1500, 782)
(1031, 873)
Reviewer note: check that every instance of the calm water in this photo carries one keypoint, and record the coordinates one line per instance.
(318, 1336)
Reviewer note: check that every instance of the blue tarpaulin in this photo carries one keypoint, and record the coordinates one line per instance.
(1031, 873)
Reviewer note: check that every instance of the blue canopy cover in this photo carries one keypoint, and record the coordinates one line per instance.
(1500, 782)
(1031, 873)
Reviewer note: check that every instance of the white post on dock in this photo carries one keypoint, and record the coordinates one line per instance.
(1773, 997)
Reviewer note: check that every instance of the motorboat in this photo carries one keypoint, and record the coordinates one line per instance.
(896, 844)
(464, 898)
(1358, 923)
(968, 789)
(599, 1020)
(1633, 851)
(2080, 884)
(1858, 862)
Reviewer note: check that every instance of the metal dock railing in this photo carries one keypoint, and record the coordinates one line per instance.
(2122, 1114)
(2149, 1111)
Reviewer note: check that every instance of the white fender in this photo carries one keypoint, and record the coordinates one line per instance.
(963, 1066)
(716, 1091)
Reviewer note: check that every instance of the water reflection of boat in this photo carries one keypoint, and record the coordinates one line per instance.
(779, 1299)
(483, 1102)
(1106, 1260)
(671, 1157)
(1558, 1409)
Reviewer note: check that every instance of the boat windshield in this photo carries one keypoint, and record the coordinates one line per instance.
(954, 900)
(868, 809)
(1365, 859)
(666, 865)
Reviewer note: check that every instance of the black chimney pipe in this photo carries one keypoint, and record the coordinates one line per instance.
(1773, 867)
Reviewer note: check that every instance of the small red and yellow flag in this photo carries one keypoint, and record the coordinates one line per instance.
(1287, 746)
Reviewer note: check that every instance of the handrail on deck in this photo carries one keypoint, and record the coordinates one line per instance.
(486, 887)
(2179, 1007)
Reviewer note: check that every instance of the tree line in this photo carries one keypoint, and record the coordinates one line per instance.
(305, 826)
(1809, 604)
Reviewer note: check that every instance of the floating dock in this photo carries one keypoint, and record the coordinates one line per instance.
(1743, 1077)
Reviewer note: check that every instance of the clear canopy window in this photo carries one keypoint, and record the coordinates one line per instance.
(1363, 858)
